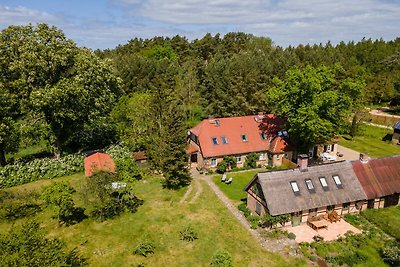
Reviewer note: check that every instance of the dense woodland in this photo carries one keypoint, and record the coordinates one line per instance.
(147, 93)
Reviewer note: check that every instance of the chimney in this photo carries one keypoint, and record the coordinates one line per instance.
(302, 162)
(364, 157)
(211, 120)
(260, 114)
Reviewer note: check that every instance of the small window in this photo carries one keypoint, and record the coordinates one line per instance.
(278, 156)
(330, 207)
(239, 159)
(262, 156)
(309, 184)
(263, 136)
(224, 140)
(213, 162)
(324, 183)
(336, 178)
(214, 140)
(346, 205)
(295, 187)
(244, 138)
(312, 212)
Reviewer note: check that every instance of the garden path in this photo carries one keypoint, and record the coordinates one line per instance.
(282, 246)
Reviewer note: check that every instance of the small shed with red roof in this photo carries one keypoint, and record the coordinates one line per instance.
(98, 162)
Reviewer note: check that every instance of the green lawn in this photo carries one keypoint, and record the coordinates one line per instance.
(387, 219)
(159, 220)
(234, 191)
(370, 141)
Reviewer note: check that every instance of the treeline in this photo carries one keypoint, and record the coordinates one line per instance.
(147, 93)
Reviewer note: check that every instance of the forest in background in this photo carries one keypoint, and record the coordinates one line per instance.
(148, 93)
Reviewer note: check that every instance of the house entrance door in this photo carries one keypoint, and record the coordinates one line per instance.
(296, 218)
(193, 158)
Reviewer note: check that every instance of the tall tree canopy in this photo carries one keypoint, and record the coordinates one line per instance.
(316, 102)
(46, 76)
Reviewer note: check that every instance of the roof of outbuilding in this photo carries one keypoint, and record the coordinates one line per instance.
(98, 162)
(281, 198)
(232, 130)
(379, 177)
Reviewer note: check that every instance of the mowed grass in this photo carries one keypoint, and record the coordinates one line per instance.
(387, 219)
(235, 191)
(371, 141)
(159, 220)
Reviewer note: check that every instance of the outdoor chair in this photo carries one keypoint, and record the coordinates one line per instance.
(229, 181)
(223, 179)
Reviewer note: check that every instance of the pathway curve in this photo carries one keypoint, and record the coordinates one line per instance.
(186, 195)
(273, 245)
(199, 189)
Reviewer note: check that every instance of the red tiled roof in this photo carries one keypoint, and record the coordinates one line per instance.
(139, 155)
(98, 162)
(232, 129)
(379, 177)
(279, 145)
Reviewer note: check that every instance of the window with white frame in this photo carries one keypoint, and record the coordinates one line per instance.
(213, 162)
(337, 180)
(263, 136)
(239, 159)
(262, 156)
(324, 183)
(244, 138)
(309, 184)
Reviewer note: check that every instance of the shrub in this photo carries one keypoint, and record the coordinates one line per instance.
(221, 258)
(251, 160)
(221, 167)
(21, 172)
(391, 254)
(291, 236)
(188, 234)
(254, 221)
(243, 208)
(318, 238)
(127, 168)
(144, 249)
(275, 233)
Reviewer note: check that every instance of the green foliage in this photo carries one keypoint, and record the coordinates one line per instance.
(126, 166)
(108, 202)
(391, 254)
(273, 220)
(188, 234)
(221, 167)
(221, 258)
(243, 208)
(15, 205)
(26, 245)
(387, 219)
(251, 160)
(25, 172)
(59, 196)
(316, 102)
(144, 249)
(254, 221)
(231, 161)
(291, 236)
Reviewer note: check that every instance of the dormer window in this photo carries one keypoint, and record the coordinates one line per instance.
(214, 140)
(324, 183)
(244, 138)
(263, 136)
(337, 180)
(224, 140)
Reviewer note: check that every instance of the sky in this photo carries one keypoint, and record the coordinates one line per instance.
(101, 24)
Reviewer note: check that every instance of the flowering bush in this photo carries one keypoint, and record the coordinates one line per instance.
(127, 168)
(47, 168)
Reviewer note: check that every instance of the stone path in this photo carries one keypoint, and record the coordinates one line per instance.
(273, 245)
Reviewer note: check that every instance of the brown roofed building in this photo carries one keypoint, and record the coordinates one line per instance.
(214, 138)
(306, 191)
(98, 162)
(380, 179)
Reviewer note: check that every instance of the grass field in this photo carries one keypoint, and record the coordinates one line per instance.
(387, 219)
(234, 191)
(159, 220)
(371, 141)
